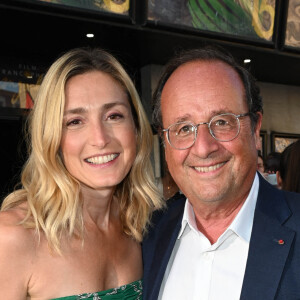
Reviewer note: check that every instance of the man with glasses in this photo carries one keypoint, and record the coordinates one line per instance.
(228, 234)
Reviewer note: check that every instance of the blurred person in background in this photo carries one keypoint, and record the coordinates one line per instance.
(288, 176)
(272, 163)
(260, 162)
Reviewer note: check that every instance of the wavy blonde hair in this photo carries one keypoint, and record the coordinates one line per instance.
(52, 194)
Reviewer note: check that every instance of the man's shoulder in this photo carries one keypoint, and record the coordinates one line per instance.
(177, 199)
(271, 198)
(174, 209)
(176, 202)
(293, 200)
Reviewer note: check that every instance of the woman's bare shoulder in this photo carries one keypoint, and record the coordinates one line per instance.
(11, 231)
(16, 253)
(12, 215)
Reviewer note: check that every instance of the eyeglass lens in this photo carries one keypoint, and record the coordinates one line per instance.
(222, 127)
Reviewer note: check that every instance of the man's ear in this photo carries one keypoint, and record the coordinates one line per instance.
(279, 180)
(257, 131)
(161, 135)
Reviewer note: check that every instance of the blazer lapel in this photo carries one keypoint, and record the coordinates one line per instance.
(158, 248)
(269, 245)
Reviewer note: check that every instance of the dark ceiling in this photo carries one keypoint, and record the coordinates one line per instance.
(29, 35)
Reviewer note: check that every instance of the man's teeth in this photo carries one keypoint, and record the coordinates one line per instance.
(98, 160)
(209, 169)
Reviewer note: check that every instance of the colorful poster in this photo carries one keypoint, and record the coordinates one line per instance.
(292, 35)
(113, 6)
(17, 94)
(245, 18)
(19, 83)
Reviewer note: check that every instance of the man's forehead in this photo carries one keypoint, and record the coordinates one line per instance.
(201, 71)
(204, 74)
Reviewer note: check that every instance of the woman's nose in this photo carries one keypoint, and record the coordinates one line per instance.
(99, 135)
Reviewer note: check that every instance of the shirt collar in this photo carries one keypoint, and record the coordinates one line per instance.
(242, 223)
(188, 219)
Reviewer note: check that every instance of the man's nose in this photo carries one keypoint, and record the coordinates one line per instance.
(205, 143)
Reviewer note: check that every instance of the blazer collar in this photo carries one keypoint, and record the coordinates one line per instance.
(270, 244)
(167, 232)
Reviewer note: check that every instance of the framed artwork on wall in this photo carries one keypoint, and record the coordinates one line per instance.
(263, 143)
(292, 33)
(110, 6)
(279, 140)
(247, 19)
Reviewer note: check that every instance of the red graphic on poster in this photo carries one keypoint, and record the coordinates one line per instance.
(29, 101)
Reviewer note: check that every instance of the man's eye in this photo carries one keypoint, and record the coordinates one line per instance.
(184, 130)
(221, 123)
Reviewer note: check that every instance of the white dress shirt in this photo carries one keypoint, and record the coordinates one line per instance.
(199, 270)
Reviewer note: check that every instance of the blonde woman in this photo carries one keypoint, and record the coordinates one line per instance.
(74, 229)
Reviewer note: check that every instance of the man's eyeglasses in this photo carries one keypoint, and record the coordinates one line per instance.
(224, 128)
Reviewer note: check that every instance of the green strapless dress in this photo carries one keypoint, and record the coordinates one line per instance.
(131, 291)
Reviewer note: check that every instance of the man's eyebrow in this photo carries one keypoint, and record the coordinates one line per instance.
(183, 118)
(213, 113)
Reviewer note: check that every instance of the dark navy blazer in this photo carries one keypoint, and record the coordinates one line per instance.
(273, 265)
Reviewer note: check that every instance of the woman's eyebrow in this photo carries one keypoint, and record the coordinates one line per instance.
(77, 110)
(82, 110)
(112, 104)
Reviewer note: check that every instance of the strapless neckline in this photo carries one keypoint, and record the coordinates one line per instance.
(131, 291)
